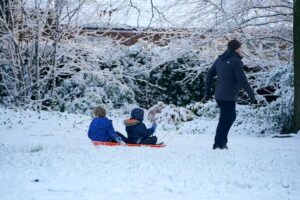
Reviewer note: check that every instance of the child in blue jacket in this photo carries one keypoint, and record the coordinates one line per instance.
(137, 131)
(101, 129)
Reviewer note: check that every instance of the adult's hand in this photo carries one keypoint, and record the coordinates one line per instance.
(205, 99)
(253, 101)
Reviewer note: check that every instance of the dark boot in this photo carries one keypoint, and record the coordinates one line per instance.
(215, 146)
(149, 140)
(224, 146)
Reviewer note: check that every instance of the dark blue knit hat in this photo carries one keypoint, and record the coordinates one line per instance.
(138, 114)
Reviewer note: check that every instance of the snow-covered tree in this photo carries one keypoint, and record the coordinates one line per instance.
(31, 31)
(49, 58)
(296, 120)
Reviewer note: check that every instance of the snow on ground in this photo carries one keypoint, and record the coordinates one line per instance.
(47, 155)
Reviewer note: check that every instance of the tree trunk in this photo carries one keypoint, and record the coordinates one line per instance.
(36, 53)
(58, 7)
(296, 120)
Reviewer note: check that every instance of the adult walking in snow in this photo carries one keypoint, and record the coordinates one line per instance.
(228, 68)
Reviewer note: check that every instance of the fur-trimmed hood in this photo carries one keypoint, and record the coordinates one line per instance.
(131, 122)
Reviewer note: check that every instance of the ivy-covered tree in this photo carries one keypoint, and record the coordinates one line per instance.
(296, 122)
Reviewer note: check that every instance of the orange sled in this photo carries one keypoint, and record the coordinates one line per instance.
(97, 143)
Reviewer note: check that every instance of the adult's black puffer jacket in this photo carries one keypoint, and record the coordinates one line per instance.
(230, 77)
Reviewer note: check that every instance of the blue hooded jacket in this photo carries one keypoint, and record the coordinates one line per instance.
(135, 128)
(101, 129)
(137, 131)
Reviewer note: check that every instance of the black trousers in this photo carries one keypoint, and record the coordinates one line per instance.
(227, 117)
(122, 137)
(149, 140)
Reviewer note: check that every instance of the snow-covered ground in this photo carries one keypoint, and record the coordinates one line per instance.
(48, 156)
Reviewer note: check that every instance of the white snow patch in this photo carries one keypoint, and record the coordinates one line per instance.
(47, 155)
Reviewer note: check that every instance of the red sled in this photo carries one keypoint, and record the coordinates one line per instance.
(97, 143)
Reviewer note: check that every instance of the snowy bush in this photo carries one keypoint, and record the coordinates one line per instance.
(131, 75)
(207, 110)
(271, 117)
(82, 92)
(47, 65)
(168, 83)
(169, 114)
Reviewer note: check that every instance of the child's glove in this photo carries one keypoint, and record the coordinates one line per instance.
(153, 126)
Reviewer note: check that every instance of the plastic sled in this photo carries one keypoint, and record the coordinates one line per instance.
(97, 143)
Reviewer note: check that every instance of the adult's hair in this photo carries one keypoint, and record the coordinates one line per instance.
(234, 44)
(99, 111)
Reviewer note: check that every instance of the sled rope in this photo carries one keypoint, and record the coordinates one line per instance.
(162, 137)
(168, 138)
(171, 137)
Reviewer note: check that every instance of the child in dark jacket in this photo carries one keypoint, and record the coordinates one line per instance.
(101, 129)
(136, 130)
